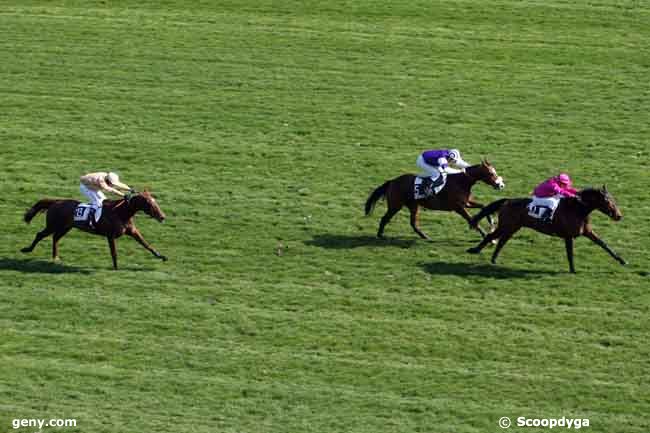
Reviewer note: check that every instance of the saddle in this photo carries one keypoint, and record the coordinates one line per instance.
(84, 216)
(543, 208)
(425, 187)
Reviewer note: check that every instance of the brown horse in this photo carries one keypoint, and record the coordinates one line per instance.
(456, 196)
(571, 220)
(116, 220)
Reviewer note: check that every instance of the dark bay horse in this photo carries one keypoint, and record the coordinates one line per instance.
(570, 221)
(456, 196)
(116, 220)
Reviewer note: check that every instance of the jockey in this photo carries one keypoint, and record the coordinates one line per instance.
(559, 185)
(554, 189)
(434, 162)
(93, 186)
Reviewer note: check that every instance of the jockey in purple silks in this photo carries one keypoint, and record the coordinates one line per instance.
(434, 162)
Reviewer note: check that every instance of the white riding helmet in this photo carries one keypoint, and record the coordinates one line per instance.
(112, 178)
(454, 154)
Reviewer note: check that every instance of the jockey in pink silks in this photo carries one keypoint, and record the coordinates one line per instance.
(554, 189)
(557, 185)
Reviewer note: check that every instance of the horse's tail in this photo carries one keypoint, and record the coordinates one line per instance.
(40, 206)
(378, 193)
(487, 210)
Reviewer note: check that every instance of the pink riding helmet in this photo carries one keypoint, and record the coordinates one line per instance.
(564, 179)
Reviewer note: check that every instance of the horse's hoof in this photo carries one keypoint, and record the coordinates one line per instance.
(623, 262)
(25, 250)
(474, 250)
(163, 258)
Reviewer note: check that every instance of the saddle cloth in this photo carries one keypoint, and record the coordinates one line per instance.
(424, 187)
(83, 212)
(543, 207)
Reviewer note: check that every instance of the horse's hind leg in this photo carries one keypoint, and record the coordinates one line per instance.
(502, 241)
(473, 204)
(39, 237)
(385, 219)
(414, 208)
(486, 240)
(463, 212)
(55, 242)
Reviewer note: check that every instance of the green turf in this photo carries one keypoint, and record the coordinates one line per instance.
(262, 126)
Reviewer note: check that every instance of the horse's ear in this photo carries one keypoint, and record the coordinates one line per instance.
(605, 187)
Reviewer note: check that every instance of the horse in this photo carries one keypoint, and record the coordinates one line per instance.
(456, 196)
(116, 220)
(571, 220)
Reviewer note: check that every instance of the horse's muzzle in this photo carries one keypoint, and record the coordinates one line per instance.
(499, 184)
(614, 214)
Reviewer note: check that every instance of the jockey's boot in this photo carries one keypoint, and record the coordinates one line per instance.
(91, 219)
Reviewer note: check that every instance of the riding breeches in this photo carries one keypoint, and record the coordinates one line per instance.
(96, 199)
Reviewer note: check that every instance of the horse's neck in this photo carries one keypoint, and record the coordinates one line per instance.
(582, 208)
(124, 210)
(465, 180)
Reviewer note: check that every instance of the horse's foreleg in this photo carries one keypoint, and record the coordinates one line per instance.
(55, 242)
(135, 234)
(414, 208)
(39, 237)
(601, 243)
(568, 242)
(111, 244)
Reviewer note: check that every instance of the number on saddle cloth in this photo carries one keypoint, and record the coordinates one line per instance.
(83, 214)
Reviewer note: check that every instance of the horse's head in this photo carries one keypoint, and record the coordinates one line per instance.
(601, 199)
(487, 173)
(145, 202)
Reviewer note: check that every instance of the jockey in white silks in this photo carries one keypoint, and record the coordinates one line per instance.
(93, 185)
(434, 162)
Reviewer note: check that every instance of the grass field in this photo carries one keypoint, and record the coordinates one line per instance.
(262, 126)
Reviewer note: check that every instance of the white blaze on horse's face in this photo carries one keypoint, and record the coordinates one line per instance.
(160, 215)
(498, 181)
